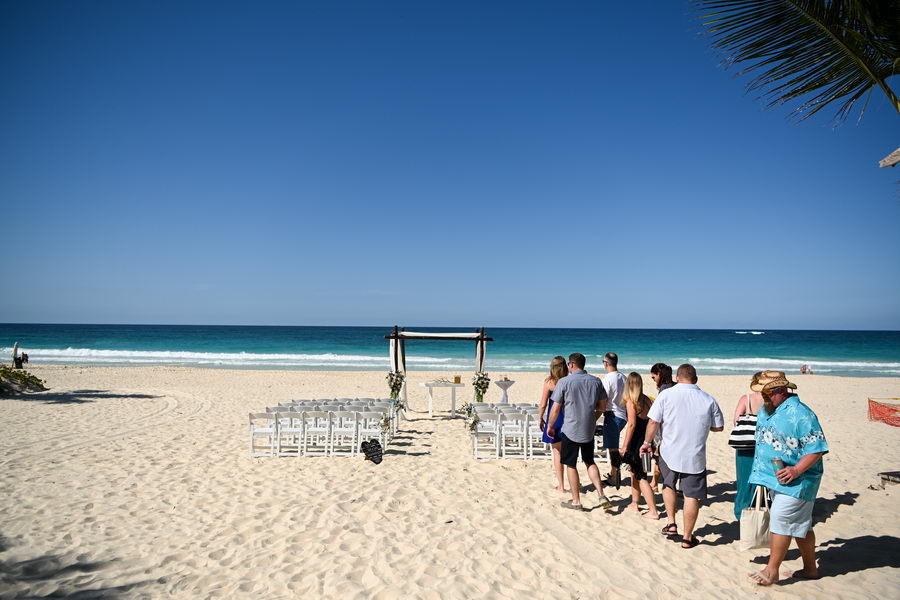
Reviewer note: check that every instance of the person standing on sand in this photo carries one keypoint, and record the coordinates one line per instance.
(661, 374)
(638, 405)
(687, 415)
(748, 407)
(790, 444)
(615, 417)
(558, 370)
(584, 400)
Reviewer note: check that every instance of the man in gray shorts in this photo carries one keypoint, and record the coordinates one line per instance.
(584, 399)
(687, 414)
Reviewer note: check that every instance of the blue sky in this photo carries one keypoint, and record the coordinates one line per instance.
(356, 163)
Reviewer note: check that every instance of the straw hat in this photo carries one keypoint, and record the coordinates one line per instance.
(768, 380)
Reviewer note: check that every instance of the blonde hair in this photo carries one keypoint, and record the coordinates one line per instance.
(558, 369)
(634, 390)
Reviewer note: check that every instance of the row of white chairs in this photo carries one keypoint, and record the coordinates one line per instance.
(294, 432)
(515, 433)
(392, 407)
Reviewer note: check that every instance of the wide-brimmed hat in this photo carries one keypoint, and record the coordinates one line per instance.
(769, 380)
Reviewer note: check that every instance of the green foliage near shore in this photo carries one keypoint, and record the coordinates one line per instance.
(17, 380)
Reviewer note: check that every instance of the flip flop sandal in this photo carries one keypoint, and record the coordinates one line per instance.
(670, 530)
(688, 544)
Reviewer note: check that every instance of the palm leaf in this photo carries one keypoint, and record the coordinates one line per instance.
(809, 52)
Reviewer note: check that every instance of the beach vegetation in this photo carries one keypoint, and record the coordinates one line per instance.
(13, 381)
(810, 53)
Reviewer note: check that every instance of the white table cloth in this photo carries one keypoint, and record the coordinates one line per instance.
(433, 384)
(504, 385)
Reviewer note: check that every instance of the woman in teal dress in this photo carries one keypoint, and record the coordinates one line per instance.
(749, 405)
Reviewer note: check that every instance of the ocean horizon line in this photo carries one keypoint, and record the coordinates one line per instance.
(461, 327)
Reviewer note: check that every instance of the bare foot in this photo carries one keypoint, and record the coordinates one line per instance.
(632, 508)
(650, 516)
(559, 489)
(763, 578)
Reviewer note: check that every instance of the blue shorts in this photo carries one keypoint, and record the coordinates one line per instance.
(790, 516)
(612, 427)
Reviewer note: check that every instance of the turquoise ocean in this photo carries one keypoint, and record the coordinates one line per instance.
(846, 353)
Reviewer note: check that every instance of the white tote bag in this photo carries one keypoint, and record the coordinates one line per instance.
(755, 521)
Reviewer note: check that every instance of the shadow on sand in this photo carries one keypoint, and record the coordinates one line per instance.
(57, 576)
(75, 396)
(840, 557)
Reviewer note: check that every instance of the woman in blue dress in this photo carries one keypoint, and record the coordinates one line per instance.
(558, 370)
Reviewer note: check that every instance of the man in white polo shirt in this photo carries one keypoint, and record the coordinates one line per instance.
(687, 414)
(615, 418)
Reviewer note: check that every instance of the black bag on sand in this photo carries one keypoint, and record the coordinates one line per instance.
(373, 451)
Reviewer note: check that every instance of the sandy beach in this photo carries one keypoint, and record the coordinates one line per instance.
(136, 483)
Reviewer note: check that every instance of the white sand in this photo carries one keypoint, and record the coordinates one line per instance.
(137, 481)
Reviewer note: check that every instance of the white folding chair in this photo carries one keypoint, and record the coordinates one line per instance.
(370, 427)
(317, 433)
(343, 433)
(290, 433)
(512, 434)
(535, 446)
(262, 428)
(486, 435)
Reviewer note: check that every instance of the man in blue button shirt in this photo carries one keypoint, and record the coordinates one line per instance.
(584, 399)
(790, 444)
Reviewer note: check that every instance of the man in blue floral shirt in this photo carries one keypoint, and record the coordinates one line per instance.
(789, 448)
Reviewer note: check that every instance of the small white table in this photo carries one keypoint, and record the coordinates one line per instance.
(433, 384)
(504, 384)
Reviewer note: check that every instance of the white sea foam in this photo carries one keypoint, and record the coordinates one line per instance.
(763, 362)
(98, 356)
(496, 363)
(750, 332)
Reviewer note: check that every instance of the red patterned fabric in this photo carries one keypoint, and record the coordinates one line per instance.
(885, 412)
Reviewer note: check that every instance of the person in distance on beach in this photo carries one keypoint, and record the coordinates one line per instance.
(687, 414)
(615, 417)
(790, 444)
(583, 398)
(637, 404)
(558, 370)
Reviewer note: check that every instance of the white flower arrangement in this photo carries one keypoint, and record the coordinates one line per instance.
(480, 384)
(472, 421)
(395, 383)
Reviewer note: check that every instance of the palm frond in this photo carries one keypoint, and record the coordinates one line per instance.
(809, 52)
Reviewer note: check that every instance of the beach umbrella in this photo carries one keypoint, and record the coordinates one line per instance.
(891, 159)
(15, 353)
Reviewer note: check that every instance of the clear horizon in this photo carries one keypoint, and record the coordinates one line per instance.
(459, 327)
(575, 166)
